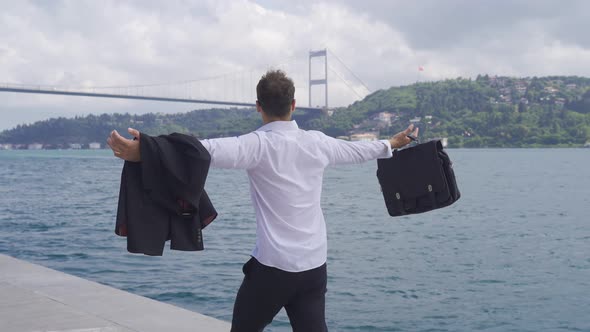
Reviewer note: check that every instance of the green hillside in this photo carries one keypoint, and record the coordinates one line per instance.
(485, 112)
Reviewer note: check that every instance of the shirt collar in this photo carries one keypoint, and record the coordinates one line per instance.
(279, 126)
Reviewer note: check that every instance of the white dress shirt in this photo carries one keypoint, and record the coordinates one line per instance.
(285, 167)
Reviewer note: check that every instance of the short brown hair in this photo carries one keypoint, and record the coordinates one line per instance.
(275, 92)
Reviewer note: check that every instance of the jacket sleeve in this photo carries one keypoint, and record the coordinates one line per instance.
(241, 152)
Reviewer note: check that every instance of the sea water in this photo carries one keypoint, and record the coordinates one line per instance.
(513, 254)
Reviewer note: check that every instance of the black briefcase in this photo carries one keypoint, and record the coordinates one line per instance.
(417, 179)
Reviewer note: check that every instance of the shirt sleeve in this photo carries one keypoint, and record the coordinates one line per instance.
(343, 152)
(242, 152)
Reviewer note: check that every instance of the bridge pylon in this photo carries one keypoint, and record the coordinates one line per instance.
(321, 81)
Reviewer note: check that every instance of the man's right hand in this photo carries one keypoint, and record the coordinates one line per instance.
(124, 148)
(401, 139)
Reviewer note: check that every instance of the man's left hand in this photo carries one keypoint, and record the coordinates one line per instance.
(401, 139)
(124, 148)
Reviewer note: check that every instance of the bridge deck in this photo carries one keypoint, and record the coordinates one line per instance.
(136, 97)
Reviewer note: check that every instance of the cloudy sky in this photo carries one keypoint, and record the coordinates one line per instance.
(223, 46)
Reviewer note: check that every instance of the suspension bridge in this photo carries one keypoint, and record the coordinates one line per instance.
(233, 89)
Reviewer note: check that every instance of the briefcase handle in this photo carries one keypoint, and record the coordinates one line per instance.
(413, 138)
(414, 141)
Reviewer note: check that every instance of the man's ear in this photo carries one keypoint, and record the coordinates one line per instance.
(258, 107)
(293, 105)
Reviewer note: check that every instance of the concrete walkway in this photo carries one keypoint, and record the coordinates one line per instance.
(35, 298)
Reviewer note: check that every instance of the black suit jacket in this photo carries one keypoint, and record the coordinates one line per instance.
(163, 198)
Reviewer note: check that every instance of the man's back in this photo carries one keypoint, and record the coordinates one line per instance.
(286, 187)
(285, 166)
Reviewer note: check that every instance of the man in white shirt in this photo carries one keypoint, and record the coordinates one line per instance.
(285, 166)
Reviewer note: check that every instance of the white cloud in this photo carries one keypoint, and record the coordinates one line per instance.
(106, 43)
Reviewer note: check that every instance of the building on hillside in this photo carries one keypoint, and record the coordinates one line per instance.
(35, 146)
(496, 81)
(6, 146)
(51, 146)
(366, 137)
(416, 119)
(94, 146)
(521, 89)
(571, 86)
(75, 146)
(560, 102)
(385, 117)
(551, 89)
(327, 111)
(379, 121)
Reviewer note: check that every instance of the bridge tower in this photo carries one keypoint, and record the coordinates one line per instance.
(321, 81)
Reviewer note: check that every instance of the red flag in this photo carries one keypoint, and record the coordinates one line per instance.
(420, 68)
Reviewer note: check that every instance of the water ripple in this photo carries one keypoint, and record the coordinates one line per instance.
(506, 257)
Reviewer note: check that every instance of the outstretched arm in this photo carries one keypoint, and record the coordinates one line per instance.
(344, 152)
(227, 152)
(241, 152)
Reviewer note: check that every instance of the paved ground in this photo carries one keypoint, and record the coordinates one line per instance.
(35, 298)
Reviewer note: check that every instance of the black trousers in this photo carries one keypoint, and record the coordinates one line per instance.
(265, 290)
